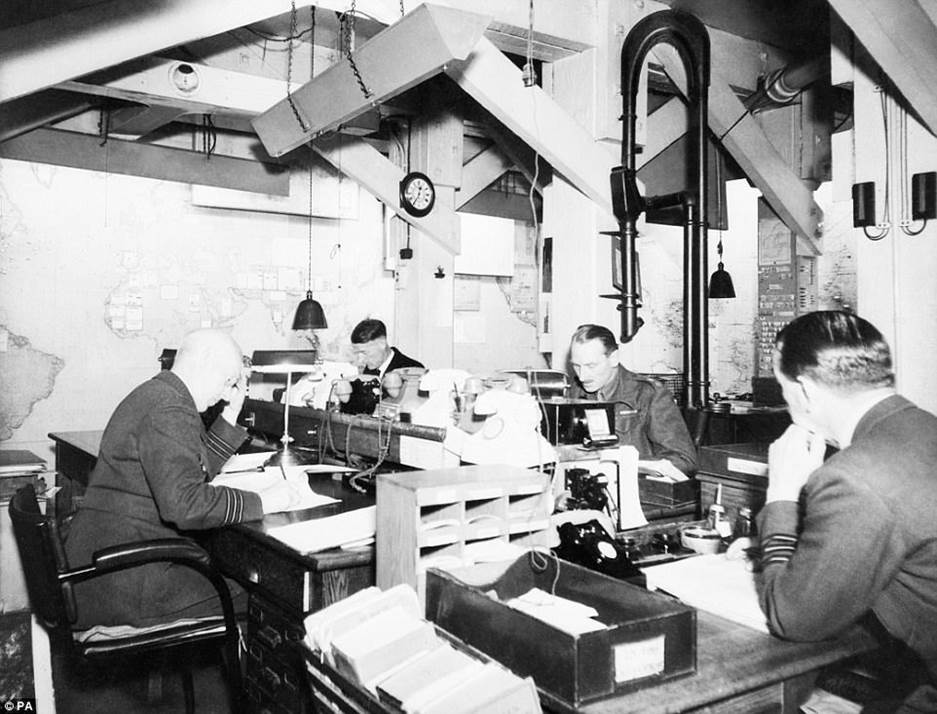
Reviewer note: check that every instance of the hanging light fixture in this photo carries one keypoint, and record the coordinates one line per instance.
(720, 284)
(309, 313)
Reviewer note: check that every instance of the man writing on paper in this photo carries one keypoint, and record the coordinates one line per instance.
(152, 478)
(865, 546)
(658, 430)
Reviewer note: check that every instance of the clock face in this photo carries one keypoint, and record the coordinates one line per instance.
(417, 194)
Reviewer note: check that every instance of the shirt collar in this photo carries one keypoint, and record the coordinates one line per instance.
(607, 393)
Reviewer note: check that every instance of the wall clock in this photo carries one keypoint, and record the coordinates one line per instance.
(417, 194)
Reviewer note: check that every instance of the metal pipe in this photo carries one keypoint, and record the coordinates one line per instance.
(689, 38)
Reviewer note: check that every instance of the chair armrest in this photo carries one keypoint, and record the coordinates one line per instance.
(128, 555)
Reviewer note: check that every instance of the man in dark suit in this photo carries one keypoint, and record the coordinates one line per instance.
(152, 479)
(372, 353)
(865, 546)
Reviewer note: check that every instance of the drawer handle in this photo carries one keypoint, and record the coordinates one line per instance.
(269, 637)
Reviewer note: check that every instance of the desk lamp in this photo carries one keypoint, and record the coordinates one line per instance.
(285, 362)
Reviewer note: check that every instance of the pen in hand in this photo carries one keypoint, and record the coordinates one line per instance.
(253, 469)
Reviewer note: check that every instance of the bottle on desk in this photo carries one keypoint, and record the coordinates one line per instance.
(717, 518)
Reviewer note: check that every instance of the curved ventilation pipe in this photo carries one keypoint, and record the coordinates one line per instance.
(783, 85)
(688, 36)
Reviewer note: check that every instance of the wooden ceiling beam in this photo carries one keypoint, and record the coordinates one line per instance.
(47, 52)
(358, 160)
(479, 173)
(495, 82)
(902, 39)
(86, 151)
(402, 56)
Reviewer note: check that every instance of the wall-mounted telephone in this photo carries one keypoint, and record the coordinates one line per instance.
(588, 544)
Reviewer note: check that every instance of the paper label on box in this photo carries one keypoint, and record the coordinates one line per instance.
(743, 466)
(634, 660)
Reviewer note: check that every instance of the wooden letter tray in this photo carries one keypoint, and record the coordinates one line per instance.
(649, 637)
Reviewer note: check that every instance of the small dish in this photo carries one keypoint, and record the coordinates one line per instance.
(702, 540)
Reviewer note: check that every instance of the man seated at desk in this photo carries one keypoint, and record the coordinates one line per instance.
(658, 430)
(853, 537)
(151, 481)
(372, 353)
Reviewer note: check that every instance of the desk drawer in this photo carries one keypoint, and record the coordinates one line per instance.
(272, 677)
(272, 627)
(263, 569)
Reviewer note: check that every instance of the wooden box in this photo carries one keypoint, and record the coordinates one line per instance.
(440, 516)
(741, 470)
(648, 637)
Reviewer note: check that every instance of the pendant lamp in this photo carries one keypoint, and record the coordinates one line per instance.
(720, 284)
(309, 313)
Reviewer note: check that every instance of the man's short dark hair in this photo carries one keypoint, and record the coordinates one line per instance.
(368, 330)
(587, 332)
(837, 349)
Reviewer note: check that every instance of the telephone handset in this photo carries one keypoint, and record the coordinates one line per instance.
(588, 544)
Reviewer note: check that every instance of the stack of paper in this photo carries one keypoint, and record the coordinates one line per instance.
(357, 526)
(379, 640)
(713, 583)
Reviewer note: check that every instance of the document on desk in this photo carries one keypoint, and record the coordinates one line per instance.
(713, 583)
(350, 527)
(256, 480)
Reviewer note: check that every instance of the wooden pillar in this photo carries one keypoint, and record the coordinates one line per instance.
(424, 321)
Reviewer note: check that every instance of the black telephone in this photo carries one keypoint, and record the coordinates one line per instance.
(589, 545)
(365, 394)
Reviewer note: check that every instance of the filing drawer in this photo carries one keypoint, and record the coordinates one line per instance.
(274, 678)
(271, 627)
(263, 568)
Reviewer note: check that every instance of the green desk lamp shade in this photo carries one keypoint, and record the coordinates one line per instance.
(309, 315)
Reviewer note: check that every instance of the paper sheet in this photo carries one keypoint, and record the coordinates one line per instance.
(257, 481)
(329, 532)
(713, 583)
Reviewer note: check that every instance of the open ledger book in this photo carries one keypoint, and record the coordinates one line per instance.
(713, 583)
(248, 473)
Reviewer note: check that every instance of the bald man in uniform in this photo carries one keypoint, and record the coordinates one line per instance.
(152, 479)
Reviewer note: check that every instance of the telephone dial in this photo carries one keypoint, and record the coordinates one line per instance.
(588, 544)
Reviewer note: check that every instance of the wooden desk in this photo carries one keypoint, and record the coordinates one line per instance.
(76, 452)
(282, 583)
(740, 670)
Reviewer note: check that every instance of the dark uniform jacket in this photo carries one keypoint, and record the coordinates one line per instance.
(867, 539)
(398, 361)
(658, 430)
(151, 480)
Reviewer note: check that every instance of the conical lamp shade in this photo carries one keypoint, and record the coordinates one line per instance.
(309, 315)
(720, 284)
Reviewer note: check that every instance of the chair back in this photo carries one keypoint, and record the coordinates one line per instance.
(43, 557)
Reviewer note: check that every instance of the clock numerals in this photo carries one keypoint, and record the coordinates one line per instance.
(417, 194)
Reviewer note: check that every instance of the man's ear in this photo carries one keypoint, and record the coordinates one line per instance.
(810, 389)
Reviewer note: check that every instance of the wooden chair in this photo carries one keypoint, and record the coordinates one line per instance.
(49, 581)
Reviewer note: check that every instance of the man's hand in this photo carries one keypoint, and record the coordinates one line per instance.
(235, 398)
(282, 496)
(795, 455)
